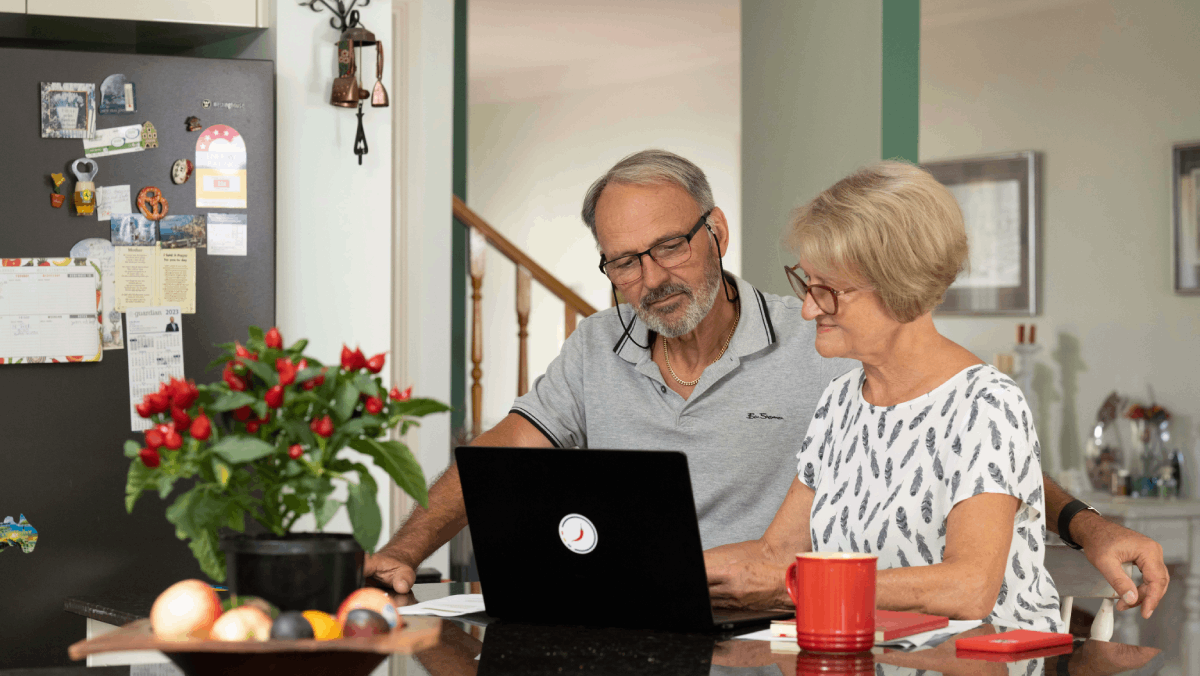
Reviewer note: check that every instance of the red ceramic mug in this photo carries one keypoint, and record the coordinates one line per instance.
(834, 593)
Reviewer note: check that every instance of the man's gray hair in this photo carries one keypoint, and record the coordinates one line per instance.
(649, 167)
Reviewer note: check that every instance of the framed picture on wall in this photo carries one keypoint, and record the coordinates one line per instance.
(1186, 212)
(1000, 199)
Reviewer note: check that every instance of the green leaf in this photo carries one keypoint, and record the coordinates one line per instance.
(132, 448)
(236, 517)
(395, 459)
(256, 333)
(296, 503)
(364, 514)
(139, 475)
(299, 346)
(165, 483)
(236, 450)
(366, 384)
(308, 373)
(204, 548)
(418, 408)
(260, 408)
(299, 432)
(326, 511)
(231, 400)
(264, 371)
(219, 361)
(347, 398)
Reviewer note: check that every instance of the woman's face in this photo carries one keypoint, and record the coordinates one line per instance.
(860, 328)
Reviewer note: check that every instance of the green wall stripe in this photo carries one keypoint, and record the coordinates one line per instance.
(458, 247)
(900, 103)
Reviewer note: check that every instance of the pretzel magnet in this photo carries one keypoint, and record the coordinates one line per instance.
(152, 204)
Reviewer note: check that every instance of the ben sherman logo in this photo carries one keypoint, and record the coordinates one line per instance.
(577, 533)
(762, 416)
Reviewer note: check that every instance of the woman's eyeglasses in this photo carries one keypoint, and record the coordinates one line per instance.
(826, 297)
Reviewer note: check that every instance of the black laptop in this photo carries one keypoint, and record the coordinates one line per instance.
(591, 537)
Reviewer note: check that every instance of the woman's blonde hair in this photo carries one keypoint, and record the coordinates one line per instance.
(890, 226)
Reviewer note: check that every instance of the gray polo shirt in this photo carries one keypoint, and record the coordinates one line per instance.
(740, 428)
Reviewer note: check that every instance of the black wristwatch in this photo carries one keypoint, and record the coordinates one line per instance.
(1064, 521)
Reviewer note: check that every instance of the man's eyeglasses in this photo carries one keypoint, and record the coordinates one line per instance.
(667, 254)
(826, 297)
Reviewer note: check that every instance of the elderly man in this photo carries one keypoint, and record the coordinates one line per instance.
(698, 361)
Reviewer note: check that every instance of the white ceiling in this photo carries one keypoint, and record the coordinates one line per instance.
(523, 49)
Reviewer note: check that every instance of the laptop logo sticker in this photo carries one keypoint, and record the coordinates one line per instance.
(577, 533)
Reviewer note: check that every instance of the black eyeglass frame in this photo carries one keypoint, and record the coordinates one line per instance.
(686, 238)
(802, 289)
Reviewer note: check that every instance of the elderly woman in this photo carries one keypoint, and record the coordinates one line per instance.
(924, 456)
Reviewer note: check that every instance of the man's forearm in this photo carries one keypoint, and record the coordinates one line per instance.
(427, 529)
(1056, 499)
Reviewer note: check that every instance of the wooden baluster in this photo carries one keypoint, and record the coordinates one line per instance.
(569, 324)
(478, 249)
(523, 280)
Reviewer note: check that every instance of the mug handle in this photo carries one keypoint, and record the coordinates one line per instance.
(793, 585)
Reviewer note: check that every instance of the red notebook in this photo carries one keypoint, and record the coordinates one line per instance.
(1016, 641)
(889, 625)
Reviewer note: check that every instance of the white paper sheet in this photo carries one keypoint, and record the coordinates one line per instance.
(992, 213)
(227, 234)
(112, 199)
(955, 627)
(450, 606)
(155, 354)
(49, 311)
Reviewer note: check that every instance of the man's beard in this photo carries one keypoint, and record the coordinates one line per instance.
(697, 305)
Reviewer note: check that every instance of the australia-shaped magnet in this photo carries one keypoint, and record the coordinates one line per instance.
(18, 534)
(117, 96)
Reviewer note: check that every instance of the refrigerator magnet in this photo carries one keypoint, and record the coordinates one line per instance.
(181, 171)
(152, 204)
(85, 188)
(149, 136)
(193, 123)
(68, 109)
(117, 96)
(220, 169)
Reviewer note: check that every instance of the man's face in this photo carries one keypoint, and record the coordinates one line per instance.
(633, 218)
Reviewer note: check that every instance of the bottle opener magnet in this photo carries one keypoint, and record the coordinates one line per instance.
(85, 189)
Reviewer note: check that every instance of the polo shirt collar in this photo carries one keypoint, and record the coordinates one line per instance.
(755, 329)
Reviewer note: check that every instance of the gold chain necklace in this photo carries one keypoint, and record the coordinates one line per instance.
(667, 351)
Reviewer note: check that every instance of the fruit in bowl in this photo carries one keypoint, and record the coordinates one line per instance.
(245, 623)
(186, 610)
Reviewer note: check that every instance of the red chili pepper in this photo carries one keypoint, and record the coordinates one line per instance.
(397, 395)
(375, 364)
(158, 401)
(287, 371)
(374, 405)
(181, 418)
(347, 358)
(360, 359)
(273, 339)
(242, 414)
(154, 438)
(274, 397)
(310, 384)
(235, 382)
(185, 393)
(201, 427)
(173, 441)
(322, 426)
(252, 426)
(164, 429)
(143, 410)
(149, 457)
(295, 451)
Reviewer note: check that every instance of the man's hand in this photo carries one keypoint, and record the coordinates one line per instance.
(1108, 545)
(390, 570)
(739, 581)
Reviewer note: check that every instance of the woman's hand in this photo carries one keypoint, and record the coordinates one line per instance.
(751, 574)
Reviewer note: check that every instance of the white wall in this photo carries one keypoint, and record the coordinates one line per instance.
(334, 235)
(531, 162)
(1103, 89)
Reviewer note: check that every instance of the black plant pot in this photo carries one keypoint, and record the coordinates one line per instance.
(300, 571)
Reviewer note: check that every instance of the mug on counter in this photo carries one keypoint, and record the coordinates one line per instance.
(834, 593)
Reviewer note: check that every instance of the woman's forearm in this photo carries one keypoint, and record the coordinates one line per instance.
(955, 590)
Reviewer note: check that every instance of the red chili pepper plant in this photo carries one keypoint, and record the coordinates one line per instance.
(267, 442)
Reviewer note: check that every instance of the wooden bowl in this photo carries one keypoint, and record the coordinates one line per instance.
(307, 657)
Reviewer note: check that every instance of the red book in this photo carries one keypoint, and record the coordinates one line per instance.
(889, 625)
(1017, 641)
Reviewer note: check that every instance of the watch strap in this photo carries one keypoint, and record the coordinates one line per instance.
(1064, 521)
